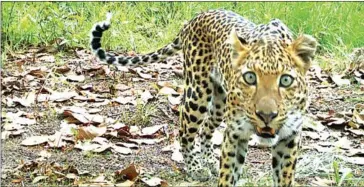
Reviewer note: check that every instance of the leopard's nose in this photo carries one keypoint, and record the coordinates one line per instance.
(266, 117)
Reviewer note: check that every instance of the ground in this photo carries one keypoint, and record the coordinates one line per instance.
(114, 108)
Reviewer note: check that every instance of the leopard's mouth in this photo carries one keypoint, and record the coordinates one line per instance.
(266, 132)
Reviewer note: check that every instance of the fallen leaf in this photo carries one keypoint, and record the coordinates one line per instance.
(37, 72)
(126, 183)
(62, 69)
(122, 150)
(122, 87)
(80, 115)
(343, 143)
(125, 100)
(310, 124)
(165, 84)
(35, 140)
(151, 130)
(312, 135)
(146, 96)
(56, 140)
(6, 134)
(71, 176)
(90, 132)
(76, 78)
(322, 182)
(38, 179)
(153, 181)
(130, 173)
(26, 101)
(189, 184)
(117, 126)
(358, 132)
(167, 91)
(339, 81)
(174, 100)
(146, 141)
(337, 121)
(94, 147)
(57, 96)
(353, 160)
(16, 180)
(355, 152)
(128, 145)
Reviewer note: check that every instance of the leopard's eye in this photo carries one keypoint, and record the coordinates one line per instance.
(250, 78)
(286, 81)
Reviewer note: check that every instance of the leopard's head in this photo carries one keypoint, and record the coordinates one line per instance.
(269, 81)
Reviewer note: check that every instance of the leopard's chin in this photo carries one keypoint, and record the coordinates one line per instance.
(266, 135)
(267, 141)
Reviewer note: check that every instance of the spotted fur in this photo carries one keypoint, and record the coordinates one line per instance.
(250, 76)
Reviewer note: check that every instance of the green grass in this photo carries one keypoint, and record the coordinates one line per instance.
(145, 26)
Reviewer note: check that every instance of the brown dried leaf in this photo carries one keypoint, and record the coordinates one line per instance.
(81, 115)
(39, 73)
(90, 132)
(63, 69)
(129, 173)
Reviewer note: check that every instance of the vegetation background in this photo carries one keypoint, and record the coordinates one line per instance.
(145, 26)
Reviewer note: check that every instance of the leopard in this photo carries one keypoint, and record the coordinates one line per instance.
(250, 77)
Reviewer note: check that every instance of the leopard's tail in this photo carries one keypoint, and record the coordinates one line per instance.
(103, 56)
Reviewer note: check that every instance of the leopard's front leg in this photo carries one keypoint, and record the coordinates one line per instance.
(284, 155)
(233, 153)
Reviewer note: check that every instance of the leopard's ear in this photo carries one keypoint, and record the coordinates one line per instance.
(239, 47)
(304, 47)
